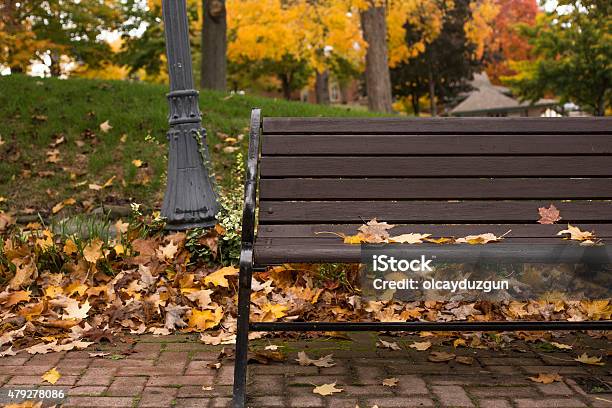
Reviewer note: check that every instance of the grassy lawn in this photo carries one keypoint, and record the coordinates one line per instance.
(52, 147)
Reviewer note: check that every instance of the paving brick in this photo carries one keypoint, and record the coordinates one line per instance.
(400, 402)
(91, 390)
(370, 375)
(199, 367)
(97, 376)
(267, 385)
(31, 370)
(268, 402)
(306, 401)
(14, 360)
(556, 388)
(45, 359)
(225, 375)
(548, 403)
(221, 403)
(601, 400)
(127, 386)
(411, 384)
(36, 380)
(98, 402)
(339, 402)
(359, 390)
(513, 361)
(169, 381)
(494, 403)
(452, 396)
(554, 369)
(157, 371)
(157, 397)
(318, 379)
(195, 403)
(498, 391)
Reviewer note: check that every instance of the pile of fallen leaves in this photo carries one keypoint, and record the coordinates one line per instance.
(61, 293)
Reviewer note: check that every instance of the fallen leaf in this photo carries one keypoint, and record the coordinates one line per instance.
(546, 378)
(205, 319)
(548, 215)
(271, 347)
(440, 356)
(93, 251)
(586, 359)
(70, 247)
(74, 311)
(137, 163)
(464, 360)
(390, 382)
(326, 389)
(561, 346)
(375, 232)
(421, 346)
(105, 126)
(99, 354)
(412, 238)
(304, 360)
(17, 297)
(479, 239)
(51, 376)
(218, 278)
(388, 344)
(576, 234)
(167, 253)
(207, 388)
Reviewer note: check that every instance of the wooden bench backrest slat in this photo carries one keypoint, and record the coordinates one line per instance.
(343, 144)
(436, 126)
(284, 212)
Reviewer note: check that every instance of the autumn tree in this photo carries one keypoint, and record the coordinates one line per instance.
(442, 65)
(46, 31)
(506, 43)
(573, 49)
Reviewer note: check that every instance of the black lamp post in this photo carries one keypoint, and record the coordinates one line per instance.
(190, 200)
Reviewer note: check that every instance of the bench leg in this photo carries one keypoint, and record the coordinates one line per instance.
(242, 336)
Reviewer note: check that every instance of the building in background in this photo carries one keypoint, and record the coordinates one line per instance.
(491, 100)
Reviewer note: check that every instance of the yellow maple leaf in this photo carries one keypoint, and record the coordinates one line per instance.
(205, 319)
(584, 358)
(75, 287)
(17, 297)
(272, 311)
(119, 249)
(353, 239)
(218, 278)
(51, 376)
(53, 291)
(46, 241)
(479, 239)
(93, 251)
(70, 247)
(137, 163)
(597, 309)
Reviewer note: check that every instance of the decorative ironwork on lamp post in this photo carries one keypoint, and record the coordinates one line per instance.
(190, 200)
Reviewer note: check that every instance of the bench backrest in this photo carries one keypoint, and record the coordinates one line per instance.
(434, 171)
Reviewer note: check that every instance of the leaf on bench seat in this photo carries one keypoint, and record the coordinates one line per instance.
(576, 234)
(549, 215)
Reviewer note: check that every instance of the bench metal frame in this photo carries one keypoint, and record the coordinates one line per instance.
(246, 273)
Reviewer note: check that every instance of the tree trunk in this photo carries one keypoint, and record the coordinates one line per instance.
(432, 89)
(322, 88)
(601, 103)
(416, 106)
(55, 68)
(214, 45)
(286, 86)
(378, 81)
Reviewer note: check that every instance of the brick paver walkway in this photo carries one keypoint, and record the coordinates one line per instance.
(172, 371)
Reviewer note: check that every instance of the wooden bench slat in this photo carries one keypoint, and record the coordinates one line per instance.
(435, 188)
(297, 250)
(410, 144)
(436, 125)
(436, 230)
(428, 211)
(415, 166)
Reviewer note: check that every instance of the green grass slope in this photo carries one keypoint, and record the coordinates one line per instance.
(35, 113)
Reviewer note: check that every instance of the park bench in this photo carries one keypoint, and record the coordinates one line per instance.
(447, 177)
